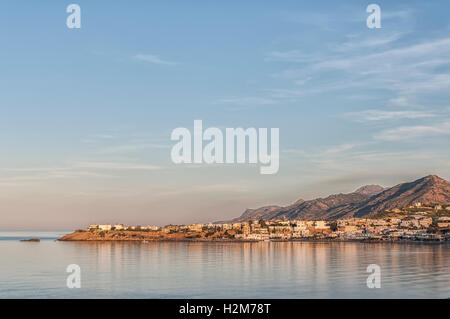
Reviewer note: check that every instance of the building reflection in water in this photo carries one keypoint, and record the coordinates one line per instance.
(263, 269)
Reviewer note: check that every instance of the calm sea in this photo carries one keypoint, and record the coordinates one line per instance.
(220, 270)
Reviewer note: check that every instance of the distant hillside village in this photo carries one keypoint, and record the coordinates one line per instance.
(417, 222)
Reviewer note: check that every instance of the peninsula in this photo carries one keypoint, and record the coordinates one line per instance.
(418, 210)
(419, 222)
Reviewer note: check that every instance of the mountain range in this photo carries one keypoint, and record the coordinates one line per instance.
(368, 200)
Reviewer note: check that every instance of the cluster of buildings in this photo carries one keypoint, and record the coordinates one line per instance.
(411, 227)
(108, 227)
(413, 223)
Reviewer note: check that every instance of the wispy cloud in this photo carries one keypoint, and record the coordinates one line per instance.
(402, 14)
(319, 20)
(405, 71)
(381, 115)
(321, 153)
(34, 175)
(339, 148)
(296, 56)
(248, 101)
(82, 169)
(116, 166)
(414, 132)
(128, 148)
(95, 138)
(150, 58)
(403, 55)
(374, 42)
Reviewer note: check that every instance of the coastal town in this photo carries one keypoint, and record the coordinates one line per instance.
(415, 223)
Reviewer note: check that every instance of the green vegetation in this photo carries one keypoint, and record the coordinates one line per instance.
(334, 226)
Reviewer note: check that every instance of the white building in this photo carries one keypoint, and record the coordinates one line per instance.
(321, 224)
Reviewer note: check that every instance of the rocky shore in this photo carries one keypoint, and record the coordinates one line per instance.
(140, 236)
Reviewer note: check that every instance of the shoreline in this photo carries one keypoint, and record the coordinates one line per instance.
(321, 240)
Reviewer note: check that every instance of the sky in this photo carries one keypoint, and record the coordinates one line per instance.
(86, 114)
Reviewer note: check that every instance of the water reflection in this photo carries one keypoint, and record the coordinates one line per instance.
(221, 270)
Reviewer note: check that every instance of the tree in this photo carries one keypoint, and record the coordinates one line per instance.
(334, 226)
(262, 223)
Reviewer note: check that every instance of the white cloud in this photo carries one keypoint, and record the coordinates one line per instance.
(411, 132)
(116, 166)
(152, 59)
(72, 170)
(46, 174)
(405, 71)
(402, 14)
(291, 56)
(128, 148)
(242, 101)
(339, 148)
(401, 101)
(380, 115)
(392, 59)
(320, 20)
(374, 42)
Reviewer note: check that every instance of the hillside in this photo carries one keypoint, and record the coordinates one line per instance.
(366, 201)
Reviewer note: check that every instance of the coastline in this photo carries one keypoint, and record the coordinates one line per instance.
(72, 237)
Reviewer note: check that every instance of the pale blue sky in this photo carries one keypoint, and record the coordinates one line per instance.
(86, 115)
